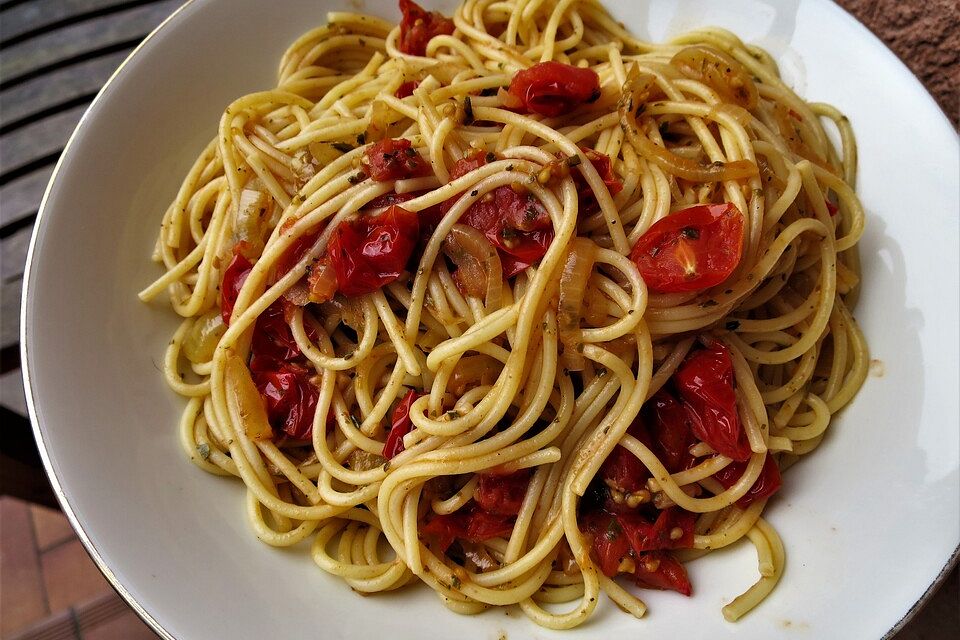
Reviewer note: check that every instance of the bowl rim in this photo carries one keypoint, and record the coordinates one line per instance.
(25, 334)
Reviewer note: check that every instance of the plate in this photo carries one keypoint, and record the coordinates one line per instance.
(869, 522)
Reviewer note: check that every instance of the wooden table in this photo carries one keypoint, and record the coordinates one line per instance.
(56, 54)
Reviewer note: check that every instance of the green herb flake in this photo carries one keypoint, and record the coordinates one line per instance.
(204, 450)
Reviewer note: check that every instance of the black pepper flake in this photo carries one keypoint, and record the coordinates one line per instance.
(468, 111)
(491, 156)
(342, 147)
(708, 303)
(362, 139)
(473, 194)
(357, 178)
(690, 232)
(732, 325)
(574, 161)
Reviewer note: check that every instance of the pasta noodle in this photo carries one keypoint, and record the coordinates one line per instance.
(435, 296)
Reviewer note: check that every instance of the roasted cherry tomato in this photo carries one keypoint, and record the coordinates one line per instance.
(765, 486)
(233, 278)
(322, 280)
(623, 471)
(691, 249)
(372, 251)
(291, 399)
(660, 570)
(294, 252)
(601, 162)
(273, 342)
(672, 435)
(673, 529)
(418, 26)
(553, 88)
(429, 218)
(705, 382)
(502, 215)
(400, 425)
(610, 546)
(406, 89)
(392, 159)
(502, 494)
(469, 523)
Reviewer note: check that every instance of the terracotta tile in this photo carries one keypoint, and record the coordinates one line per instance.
(70, 576)
(21, 584)
(126, 626)
(50, 527)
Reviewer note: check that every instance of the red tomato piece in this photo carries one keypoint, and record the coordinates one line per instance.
(610, 546)
(471, 524)
(400, 425)
(291, 399)
(233, 278)
(831, 208)
(429, 218)
(765, 486)
(691, 249)
(660, 570)
(502, 494)
(392, 159)
(406, 89)
(372, 251)
(624, 471)
(673, 529)
(553, 88)
(672, 433)
(507, 219)
(322, 280)
(295, 252)
(418, 26)
(273, 343)
(705, 381)
(604, 166)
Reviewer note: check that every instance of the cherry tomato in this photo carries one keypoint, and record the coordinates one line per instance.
(322, 280)
(294, 252)
(672, 434)
(673, 529)
(418, 26)
(691, 249)
(601, 162)
(400, 425)
(372, 251)
(624, 471)
(705, 381)
(502, 494)
(429, 218)
(406, 89)
(765, 486)
(610, 546)
(291, 399)
(660, 570)
(273, 342)
(502, 216)
(469, 523)
(233, 278)
(553, 88)
(392, 159)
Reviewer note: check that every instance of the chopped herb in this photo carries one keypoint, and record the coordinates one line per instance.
(468, 111)
(708, 303)
(204, 450)
(362, 139)
(573, 161)
(613, 529)
(456, 582)
(343, 147)
(691, 233)
(491, 156)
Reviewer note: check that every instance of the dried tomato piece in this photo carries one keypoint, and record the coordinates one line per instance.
(372, 251)
(394, 159)
(419, 26)
(553, 88)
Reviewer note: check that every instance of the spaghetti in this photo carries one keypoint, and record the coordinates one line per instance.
(534, 302)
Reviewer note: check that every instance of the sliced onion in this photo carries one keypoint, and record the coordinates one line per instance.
(379, 121)
(471, 370)
(203, 337)
(720, 72)
(581, 254)
(686, 168)
(252, 210)
(323, 153)
(479, 556)
(479, 271)
(594, 306)
(360, 460)
(322, 281)
(244, 400)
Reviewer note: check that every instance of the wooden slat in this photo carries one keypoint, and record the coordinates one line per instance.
(45, 51)
(37, 140)
(21, 197)
(45, 93)
(41, 14)
(10, 312)
(13, 254)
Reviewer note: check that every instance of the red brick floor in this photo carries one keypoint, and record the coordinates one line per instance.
(49, 586)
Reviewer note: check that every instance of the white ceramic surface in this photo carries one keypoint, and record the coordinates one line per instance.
(869, 521)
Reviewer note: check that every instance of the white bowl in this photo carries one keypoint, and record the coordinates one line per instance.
(870, 521)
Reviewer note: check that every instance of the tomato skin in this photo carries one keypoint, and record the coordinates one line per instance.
(609, 545)
(624, 470)
(705, 382)
(646, 536)
(601, 162)
(553, 88)
(691, 249)
(668, 574)
(233, 278)
(516, 224)
(372, 251)
(291, 399)
(765, 486)
(502, 494)
(468, 523)
(273, 342)
(428, 218)
(400, 425)
(672, 433)
(418, 26)
(394, 159)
